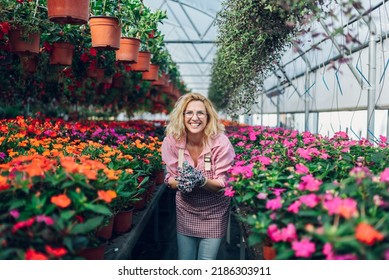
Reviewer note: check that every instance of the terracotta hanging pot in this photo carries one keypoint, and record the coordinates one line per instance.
(123, 221)
(168, 89)
(23, 43)
(62, 53)
(105, 32)
(91, 73)
(143, 63)
(159, 82)
(152, 74)
(68, 11)
(118, 82)
(29, 63)
(100, 74)
(129, 50)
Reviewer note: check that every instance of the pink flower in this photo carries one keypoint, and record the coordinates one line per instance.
(45, 219)
(386, 255)
(304, 248)
(274, 233)
(264, 160)
(308, 182)
(310, 200)
(288, 234)
(384, 177)
(294, 207)
(347, 207)
(327, 251)
(14, 213)
(262, 195)
(301, 169)
(229, 192)
(274, 204)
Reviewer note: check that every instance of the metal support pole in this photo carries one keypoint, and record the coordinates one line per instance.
(278, 111)
(372, 74)
(372, 80)
(306, 102)
(262, 99)
(387, 128)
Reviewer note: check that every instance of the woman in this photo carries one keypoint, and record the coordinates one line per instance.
(197, 155)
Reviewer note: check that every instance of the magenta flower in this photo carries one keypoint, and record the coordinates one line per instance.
(274, 204)
(308, 182)
(45, 219)
(310, 200)
(288, 234)
(14, 213)
(386, 255)
(301, 169)
(384, 176)
(228, 191)
(274, 233)
(294, 207)
(304, 248)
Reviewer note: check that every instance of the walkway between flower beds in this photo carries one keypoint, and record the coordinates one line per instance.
(154, 237)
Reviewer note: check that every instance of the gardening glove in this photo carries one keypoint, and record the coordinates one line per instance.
(189, 177)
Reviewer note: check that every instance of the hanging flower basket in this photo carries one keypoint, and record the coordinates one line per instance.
(152, 74)
(105, 32)
(143, 63)
(24, 43)
(68, 11)
(62, 53)
(29, 63)
(129, 50)
(161, 81)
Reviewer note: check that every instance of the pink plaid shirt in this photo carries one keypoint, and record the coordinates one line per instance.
(201, 213)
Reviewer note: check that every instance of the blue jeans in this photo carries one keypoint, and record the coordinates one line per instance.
(192, 248)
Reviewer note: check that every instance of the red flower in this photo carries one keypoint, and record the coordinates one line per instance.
(22, 224)
(93, 52)
(56, 252)
(31, 254)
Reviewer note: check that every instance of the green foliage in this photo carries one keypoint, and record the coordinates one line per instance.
(253, 34)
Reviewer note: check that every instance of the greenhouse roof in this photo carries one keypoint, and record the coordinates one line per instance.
(190, 36)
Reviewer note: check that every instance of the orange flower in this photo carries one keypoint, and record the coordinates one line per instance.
(107, 196)
(365, 233)
(57, 252)
(3, 183)
(31, 254)
(61, 200)
(69, 164)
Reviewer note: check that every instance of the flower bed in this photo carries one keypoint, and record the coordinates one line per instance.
(61, 181)
(310, 196)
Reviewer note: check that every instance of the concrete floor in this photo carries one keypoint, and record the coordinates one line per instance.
(165, 248)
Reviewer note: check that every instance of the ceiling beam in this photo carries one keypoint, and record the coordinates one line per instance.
(190, 42)
(193, 62)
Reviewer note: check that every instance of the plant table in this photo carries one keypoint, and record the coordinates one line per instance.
(121, 247)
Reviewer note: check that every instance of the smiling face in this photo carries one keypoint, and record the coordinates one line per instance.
(195, 117)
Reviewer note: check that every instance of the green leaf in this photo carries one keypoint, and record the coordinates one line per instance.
(88, 225)
(101, 209)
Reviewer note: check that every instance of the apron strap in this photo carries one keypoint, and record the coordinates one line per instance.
(180, 158)
(207, 162)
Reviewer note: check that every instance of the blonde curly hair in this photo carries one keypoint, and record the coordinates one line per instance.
(176, 125)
